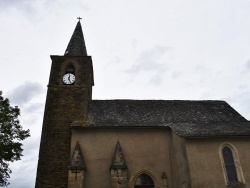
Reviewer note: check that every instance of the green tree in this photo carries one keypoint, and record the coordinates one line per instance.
(11, 133)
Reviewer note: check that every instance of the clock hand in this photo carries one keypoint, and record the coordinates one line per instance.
(69, 78)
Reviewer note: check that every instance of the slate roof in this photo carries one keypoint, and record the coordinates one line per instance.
(185, 118)
(76, 46)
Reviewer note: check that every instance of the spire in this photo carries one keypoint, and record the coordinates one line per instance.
(76, 46)
(77, 159)
(118, 161)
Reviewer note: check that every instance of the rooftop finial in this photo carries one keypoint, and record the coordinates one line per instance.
(79, 18)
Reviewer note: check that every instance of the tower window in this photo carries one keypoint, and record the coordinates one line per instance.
(70, 69)
(144, 181)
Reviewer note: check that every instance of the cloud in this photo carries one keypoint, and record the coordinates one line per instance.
(28, 96)
(240, 102)
(24, 5)
(150, 61)
(176, 74)
(147, 61)
(34, 10)
(25, 93)
(248, 64)
(35, 107)
(156, 79)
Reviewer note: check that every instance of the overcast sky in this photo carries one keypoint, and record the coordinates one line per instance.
(141, 49)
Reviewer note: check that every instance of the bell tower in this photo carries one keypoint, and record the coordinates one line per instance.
(69, 92)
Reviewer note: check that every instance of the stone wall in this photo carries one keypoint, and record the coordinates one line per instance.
(145, 151)
(179, 162)
(206, 167)
(65, 105)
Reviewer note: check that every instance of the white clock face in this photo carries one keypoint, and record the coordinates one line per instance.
(69, 78)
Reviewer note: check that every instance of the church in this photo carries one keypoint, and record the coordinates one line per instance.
(88, 143)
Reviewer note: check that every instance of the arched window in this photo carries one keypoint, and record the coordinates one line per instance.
(229, 164)
(144, 181)
(70, 69)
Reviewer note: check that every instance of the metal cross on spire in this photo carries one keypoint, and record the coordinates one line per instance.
(79, 18)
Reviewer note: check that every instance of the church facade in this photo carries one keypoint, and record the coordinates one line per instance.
(88, 143)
